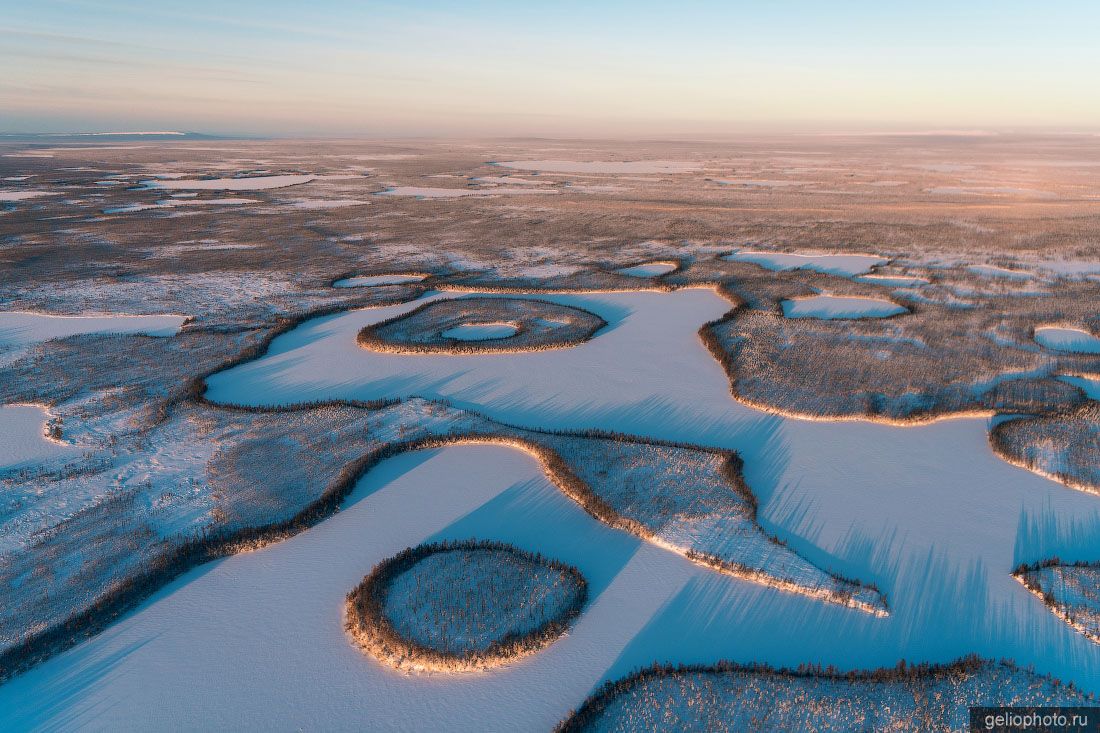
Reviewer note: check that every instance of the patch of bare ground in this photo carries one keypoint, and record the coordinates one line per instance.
(538, 325)
(1070, 590)
(734, 697)
(463, 606)
(1064, 446)
(935, 361)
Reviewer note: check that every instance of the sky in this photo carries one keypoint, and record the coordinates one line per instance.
(375, 68)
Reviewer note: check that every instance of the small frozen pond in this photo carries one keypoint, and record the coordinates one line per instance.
(361, 281)
(1061, 338)
(428, 192)
(19, 328)
(174, 202)
(22, 195)
(833, 264)
(757, 183)
(253, 183)
(894, 281)
(994, 271)
(836, 306)
(603, 166)
(23, 438)
(649, 269)
(481, 331)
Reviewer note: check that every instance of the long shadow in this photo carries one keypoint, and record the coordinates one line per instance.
(536, 517)
(1049, 534)
(63, 707)
(946, 613)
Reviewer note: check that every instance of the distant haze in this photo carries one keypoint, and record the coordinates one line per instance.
(533, 67)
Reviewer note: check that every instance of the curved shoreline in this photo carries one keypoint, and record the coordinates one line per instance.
(368, 337)
(366, 623)
(601, 699)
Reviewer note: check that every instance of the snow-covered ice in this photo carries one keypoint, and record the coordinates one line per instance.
(176, 202)
(427, 192)
(834, 264)
(602, 166)
(1063, 338)
(896, 281)
(360, 281)
(251, 183)
(481, 331)
(836, 306)
(927, 512)
(24, 195)
(19, 328)
(649, 269)
(23, 438)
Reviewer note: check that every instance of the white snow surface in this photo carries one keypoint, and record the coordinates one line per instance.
(648, 269)
(603, 166)
(23, 440)
(1062, 338)
(19, 328)
(759, 183)
(23, 195)
(481, 331)
(175, 202)
(839, 307)
(898, 281)
(360, 281)
(323, 204)
(428, 192)
(252, 183)
(834, 264)
(255, 641)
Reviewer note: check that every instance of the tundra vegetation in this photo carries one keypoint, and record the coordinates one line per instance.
(463, 606)
(733, 697)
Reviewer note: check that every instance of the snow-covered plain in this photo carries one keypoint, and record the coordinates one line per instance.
(833, 264)
(1061, 338)
(603, 166)
(251, 183)
(23, 195)
(837, 306)
(928, 512)
(23, 438)
(428, 192)
(897, 281)
(649, 269)
(19, 328)
(174, 202)
(363, 281)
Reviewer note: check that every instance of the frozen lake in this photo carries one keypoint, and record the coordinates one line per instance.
(928, 512)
